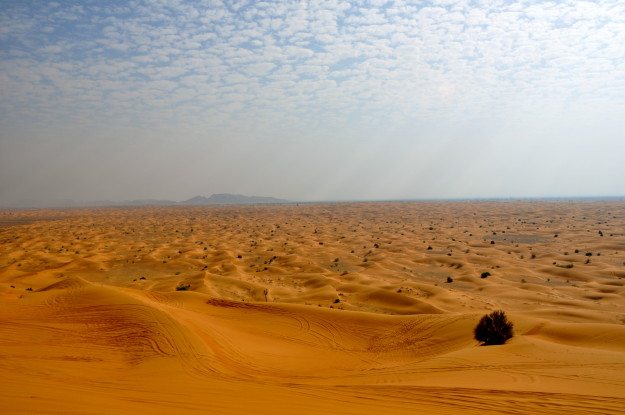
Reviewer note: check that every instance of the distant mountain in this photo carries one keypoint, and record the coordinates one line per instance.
(216, 199)
(230, 199)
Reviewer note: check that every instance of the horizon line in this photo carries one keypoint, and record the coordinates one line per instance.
(166, 202)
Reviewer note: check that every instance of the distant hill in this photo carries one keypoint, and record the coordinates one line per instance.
(230, 199)
(216, 199)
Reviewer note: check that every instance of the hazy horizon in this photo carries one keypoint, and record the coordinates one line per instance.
(371, 100)
(70, 203)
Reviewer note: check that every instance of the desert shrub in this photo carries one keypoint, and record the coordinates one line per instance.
(493, 328)
(485, 274)
(450, 280)
(183, 287)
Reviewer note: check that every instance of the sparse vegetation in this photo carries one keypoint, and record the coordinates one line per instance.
(494, 328)
(485, 274)
(450, 280)
(183, 287)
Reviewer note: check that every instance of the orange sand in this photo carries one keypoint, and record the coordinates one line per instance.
(358, 318)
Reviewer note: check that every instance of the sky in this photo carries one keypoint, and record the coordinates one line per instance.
(311, 100)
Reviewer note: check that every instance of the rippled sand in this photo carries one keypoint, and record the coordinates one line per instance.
(338, 308)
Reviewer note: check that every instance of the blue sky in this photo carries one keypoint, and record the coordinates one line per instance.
(311, 100)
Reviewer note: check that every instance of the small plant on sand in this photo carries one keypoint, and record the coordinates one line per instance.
(183, 287)
(449, 280)
(485, 274)
(265, 292)
(494, 328)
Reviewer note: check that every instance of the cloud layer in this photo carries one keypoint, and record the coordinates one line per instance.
(302, 76)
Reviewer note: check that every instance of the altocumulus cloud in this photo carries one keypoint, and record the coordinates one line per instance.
(346, 70)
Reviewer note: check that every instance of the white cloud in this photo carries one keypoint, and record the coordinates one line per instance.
(401, 59)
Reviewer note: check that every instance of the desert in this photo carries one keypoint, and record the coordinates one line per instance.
(308, 308)
(312, 207)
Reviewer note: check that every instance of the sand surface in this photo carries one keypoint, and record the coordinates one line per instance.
(340, 309)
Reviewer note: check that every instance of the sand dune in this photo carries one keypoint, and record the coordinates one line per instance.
(339, 308)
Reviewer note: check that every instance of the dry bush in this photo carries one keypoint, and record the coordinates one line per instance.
(494, 328)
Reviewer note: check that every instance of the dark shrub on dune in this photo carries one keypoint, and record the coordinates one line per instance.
(493, 328)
